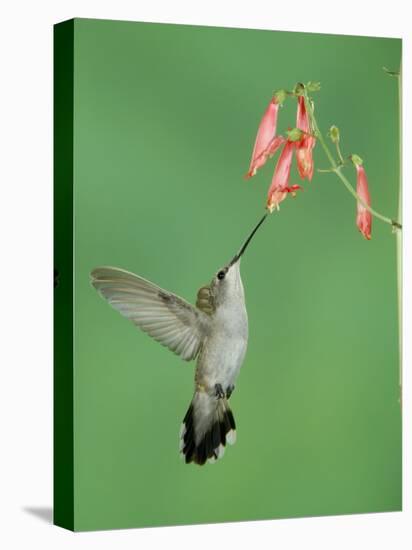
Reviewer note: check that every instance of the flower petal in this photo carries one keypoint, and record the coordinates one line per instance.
(302, 119)
(279, 187)
(266, 133)
(304, 158)
(364, 217)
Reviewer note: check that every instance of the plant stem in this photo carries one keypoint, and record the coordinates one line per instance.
(399, 235)
(342, 160)
(337, 169)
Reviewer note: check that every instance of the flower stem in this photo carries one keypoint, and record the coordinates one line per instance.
(337, 168)
(399, 235)
(325, 170)
(342, 160)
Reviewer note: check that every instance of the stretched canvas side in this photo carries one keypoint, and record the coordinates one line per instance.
(63, 275)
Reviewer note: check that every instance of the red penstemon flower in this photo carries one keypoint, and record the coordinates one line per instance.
(304, 157)
(304, 147)
(302, 119)
(364, 217)
(301, 140)
(265, 143)
(280, 182)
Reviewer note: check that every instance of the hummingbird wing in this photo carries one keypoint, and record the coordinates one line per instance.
(169, 319)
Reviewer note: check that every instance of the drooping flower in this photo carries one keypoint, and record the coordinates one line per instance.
(302, 119)
(279, 187)
(304, 157)
(304, 147)
(266, 142)
(364, 217)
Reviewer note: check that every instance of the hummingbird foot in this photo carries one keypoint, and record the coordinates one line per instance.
(220, 394)
(229, 390)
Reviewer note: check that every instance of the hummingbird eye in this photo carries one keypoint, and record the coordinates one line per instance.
(221, 275)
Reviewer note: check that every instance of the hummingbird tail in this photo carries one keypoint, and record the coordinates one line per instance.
(207, 426)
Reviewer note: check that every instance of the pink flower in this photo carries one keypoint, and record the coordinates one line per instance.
(364, 217)
(302, 119)
(280, 181)
(265, 138)
(304, 147)
(304, 157)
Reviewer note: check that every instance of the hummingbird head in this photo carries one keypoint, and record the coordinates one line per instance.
(227, 283)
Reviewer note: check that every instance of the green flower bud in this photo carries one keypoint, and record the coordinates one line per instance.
(294, 134)
(334, 134)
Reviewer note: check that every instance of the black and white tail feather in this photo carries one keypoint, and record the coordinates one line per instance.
(206, 428)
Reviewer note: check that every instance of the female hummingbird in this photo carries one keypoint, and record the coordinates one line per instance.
(215, 332)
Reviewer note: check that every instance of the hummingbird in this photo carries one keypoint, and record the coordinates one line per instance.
(215, 332)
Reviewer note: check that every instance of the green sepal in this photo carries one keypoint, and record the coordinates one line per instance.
(280, 96)
(294, 134)
(357, 161)
(299, 89)
(313, 86)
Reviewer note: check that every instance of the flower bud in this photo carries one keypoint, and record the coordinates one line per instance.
(334, 134)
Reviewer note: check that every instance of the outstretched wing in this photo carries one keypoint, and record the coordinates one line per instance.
(169, 319)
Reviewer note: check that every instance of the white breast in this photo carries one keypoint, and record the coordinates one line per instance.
(225, 348)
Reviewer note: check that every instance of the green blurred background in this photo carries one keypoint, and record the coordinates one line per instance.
(165, 120)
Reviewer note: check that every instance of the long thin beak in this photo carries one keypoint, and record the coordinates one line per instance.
(245, 244)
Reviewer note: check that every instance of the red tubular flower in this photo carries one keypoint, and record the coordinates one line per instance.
(364, 217)
(280, 182)
(304, 147)
(264, 138)
(304, 157)
(302, 119)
